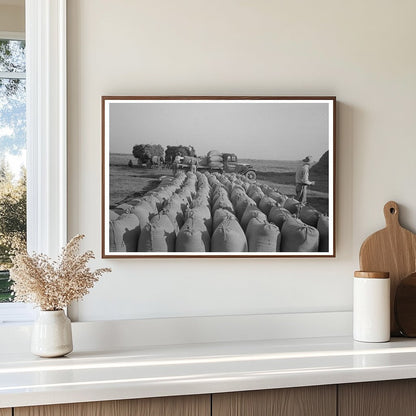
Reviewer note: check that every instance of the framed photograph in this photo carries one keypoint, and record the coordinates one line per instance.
(218, 176)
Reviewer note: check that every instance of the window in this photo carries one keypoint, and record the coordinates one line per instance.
(12, 154)
(46, 135)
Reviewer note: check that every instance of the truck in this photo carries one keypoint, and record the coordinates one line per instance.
(229, 164)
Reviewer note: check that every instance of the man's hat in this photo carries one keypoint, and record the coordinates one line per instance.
(307, 159)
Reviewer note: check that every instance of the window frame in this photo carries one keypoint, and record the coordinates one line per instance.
(12, 36)
(46, 121)
(46, 125)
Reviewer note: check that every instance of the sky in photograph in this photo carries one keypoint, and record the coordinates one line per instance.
(260, 130)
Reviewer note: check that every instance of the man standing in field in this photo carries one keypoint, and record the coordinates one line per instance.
(175, 163)
(194, 165)
(302, 180)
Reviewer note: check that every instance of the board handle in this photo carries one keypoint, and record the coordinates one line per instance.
(391, 214)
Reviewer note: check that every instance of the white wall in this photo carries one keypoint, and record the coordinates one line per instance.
(361, 51)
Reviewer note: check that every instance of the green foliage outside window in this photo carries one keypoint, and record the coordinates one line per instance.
(12, 223)
(12, 145)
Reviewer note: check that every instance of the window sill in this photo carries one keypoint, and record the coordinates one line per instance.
(16, 313)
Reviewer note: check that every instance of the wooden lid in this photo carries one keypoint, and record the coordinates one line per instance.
(372, 275)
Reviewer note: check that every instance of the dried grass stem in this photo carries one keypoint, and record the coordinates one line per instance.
(53, 285)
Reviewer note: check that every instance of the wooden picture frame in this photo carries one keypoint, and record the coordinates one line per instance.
(184, 175)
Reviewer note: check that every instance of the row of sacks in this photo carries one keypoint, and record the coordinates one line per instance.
(147, 225)
(268, 227)
(260, 235)
(307, 229)
(127, 220)
(153, 223)
(278, 207)
(223, 213)
(168, 230)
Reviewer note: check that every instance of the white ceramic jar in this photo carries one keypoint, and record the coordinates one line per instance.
(371, 307)
(52, 334)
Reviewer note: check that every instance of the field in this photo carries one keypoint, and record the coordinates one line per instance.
(128, 183)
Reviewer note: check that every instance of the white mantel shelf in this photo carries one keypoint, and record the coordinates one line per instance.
(170, 370)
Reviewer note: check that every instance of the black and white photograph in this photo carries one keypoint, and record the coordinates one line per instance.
(218, 176)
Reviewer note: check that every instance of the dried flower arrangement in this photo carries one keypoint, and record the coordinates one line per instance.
(52, 285)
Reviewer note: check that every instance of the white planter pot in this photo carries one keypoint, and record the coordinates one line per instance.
(52, 334)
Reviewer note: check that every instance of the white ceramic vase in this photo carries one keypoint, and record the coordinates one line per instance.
(52, 334)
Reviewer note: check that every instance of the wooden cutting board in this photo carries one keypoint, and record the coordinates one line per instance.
(392, 250)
